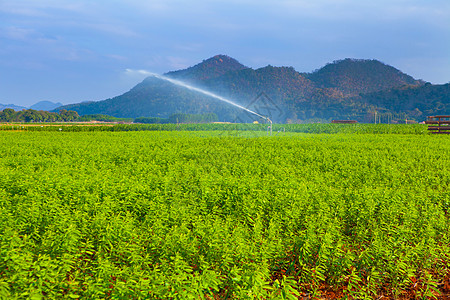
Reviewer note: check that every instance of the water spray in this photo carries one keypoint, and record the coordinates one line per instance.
(196, 89)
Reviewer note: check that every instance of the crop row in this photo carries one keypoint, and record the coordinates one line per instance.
(227, 129)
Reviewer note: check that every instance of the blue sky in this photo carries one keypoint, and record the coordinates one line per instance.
(73, 51)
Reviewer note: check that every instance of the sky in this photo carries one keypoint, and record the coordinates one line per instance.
(74, 51)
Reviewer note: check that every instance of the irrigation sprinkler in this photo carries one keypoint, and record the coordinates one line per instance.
(270, 126)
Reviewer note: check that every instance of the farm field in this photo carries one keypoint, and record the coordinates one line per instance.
(223, 129)
(212, 215)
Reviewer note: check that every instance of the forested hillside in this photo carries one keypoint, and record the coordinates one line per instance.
(356, 76)
(417, 102)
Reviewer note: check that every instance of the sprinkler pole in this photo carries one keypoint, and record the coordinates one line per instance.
(270, 121)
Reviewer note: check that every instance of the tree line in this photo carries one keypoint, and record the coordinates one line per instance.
(31, 115)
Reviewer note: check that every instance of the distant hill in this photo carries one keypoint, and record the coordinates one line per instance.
(349, 88)
(356, 76)
(45, 105)
(12, 106)
(42, 105)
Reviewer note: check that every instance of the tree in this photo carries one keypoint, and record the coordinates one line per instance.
(68, 115)
(7, 115)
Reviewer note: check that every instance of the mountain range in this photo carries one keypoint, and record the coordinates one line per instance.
(343, 89)
(41, 105)
(11, 106)
(45, 105)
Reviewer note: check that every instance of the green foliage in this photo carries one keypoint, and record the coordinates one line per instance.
(31, 115)
(151, 120)
(193, 118)
(199, 215)
(179, 118)
(222, 129)
(417, 102)
(102, 118)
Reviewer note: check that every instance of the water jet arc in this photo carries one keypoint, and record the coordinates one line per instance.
(196, 89)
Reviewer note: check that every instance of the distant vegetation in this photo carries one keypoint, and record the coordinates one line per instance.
(230, 129)
(31, 115)
(179, 118)
(417, 101)
(102, 118)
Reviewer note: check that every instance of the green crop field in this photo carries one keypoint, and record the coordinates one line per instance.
(211, 215)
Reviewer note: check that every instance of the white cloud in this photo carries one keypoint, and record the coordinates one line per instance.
(154, 6)
(367, 11)
(16, 33)
(28, 35)
(39, 8)
(117, 57)
(189, 47)
(113, 29)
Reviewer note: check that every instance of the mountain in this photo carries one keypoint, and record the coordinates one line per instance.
(42, 105)
(155, 97)
(356, 76)
(349, 88)
(12, 106)
(45, 105)
(211, 68)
